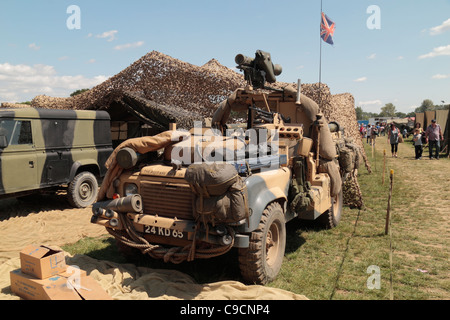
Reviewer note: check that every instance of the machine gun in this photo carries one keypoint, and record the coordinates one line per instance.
(267, 116)
(258, 70)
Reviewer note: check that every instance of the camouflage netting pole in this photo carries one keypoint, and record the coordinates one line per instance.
(160, 85)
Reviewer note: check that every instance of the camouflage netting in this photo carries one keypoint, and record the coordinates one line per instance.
(14, 105)
(169, 83)
(160, 89)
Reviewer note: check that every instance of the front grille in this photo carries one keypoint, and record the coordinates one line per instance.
(167, 199)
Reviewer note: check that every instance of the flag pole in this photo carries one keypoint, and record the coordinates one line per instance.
(320, 56)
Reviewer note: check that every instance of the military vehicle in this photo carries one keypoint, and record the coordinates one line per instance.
(43, 150)
(181, 196)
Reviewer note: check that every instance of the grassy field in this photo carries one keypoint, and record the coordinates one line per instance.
(337, 264)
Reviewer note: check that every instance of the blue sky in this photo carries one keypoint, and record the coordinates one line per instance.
(404, 62)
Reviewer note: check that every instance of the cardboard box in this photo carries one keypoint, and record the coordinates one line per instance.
(42, 262)
(65, 286)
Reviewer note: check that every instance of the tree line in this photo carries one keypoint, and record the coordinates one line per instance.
(389, 110)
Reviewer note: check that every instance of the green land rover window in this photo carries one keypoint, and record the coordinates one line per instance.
(17, 132)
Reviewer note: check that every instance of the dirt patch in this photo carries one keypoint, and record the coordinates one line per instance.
(43, 220)
(50, 221)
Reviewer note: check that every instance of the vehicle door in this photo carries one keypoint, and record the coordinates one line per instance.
(56, 161)
(18, 170)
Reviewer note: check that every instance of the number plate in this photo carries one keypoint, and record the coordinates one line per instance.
(163, 232)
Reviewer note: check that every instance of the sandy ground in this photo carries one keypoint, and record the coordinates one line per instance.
(44, 220)
(49, 220)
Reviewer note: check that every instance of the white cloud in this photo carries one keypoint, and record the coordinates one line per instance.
(63, 58)
(92, 61)
(110, 35)
(7, 69)
(441, 76)
(129, 45)
(371, 103)
(400, 58)
(445, 26)
(439, 51)
(362, 79)
(33, 46)
(20, 83)
(372, 56)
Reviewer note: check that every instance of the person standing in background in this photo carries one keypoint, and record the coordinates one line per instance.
(433, 137)
(418, 143)
(368, 133)
(393, 134)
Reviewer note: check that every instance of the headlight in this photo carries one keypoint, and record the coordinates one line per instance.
(131, 189)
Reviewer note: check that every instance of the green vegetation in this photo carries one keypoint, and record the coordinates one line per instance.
(389, 110)
(77, 92)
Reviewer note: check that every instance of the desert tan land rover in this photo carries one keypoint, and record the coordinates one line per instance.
(181, 196)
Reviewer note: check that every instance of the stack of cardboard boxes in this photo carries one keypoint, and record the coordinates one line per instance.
(44, 275)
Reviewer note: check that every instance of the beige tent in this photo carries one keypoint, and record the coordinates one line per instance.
(420, 118)
(429, 115)
(443, 119)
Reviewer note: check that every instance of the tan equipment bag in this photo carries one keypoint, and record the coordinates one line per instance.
(220, 193)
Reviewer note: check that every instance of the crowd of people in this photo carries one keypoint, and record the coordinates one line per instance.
(431, 137)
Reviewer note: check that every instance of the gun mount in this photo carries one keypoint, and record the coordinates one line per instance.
(258, 70)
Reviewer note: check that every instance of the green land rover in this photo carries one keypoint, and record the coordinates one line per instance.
(43, 150)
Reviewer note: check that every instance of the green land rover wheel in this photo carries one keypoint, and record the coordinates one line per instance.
(83, 190)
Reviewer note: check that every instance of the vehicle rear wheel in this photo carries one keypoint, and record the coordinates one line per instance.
(331, 218)
(261, 261)
(83, 190)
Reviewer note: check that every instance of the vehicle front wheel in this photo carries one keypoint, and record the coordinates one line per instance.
(261, 262)
(83, 190)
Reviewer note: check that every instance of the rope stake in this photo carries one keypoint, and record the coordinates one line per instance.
(389, 231)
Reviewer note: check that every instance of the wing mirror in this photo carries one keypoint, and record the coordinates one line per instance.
(3, 142)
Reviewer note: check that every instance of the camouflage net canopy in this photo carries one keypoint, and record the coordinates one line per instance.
(173, 89)
(161, 90)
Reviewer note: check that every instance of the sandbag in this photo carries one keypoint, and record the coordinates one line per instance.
(220, 193)
(230, 207)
